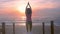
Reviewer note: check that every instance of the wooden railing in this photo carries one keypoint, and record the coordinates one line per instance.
(52, 27)
(2, 30)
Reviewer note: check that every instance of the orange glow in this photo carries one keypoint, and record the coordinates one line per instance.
(23, 17)
(18, 7)
(21, 24)
(21, 8)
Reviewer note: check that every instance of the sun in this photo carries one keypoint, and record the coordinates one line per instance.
(21, 8)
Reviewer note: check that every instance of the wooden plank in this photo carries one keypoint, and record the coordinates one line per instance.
(43, 28)
(52, 27)
(13, 28)
(3, 28)
(0, 30)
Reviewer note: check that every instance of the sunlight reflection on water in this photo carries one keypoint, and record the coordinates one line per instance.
(24, 24)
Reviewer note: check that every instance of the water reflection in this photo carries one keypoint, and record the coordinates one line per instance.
(23, 18)
(24, 24)
(21, 24)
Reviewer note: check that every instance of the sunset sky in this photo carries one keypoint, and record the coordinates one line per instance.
(47, 9)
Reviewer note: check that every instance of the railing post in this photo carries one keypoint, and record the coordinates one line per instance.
(43, 28)
(52, 27)
(13, 28)
(3, 28)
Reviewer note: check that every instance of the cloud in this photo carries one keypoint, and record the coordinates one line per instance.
(6, 0)
(40, 3)
(51, 13)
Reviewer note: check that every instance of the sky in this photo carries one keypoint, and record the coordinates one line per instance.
(41, 9)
